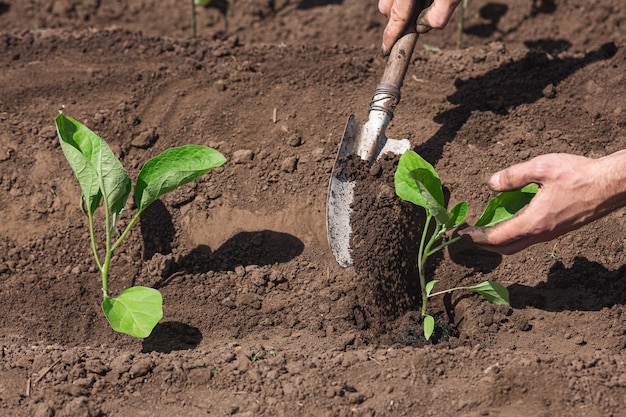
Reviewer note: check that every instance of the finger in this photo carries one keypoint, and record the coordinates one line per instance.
(509, 236)
(479, 236)
(399, 18)
(514, 177)
(436, 16)
(384, 7)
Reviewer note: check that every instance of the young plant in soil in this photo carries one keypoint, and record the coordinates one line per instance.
(137, 310)
(417, 181)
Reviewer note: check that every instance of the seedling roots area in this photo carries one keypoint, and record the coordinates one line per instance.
(258, 318)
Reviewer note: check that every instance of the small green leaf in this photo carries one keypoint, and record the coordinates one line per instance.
(136, 311)
(457, 215)
(173, 168)
(504, 206)
(417, 181)
(429, 286)
(405, 184)
(429, 326)
(99, 172)
(429, 186)
(492, 291)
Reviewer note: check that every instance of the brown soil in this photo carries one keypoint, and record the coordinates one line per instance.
(259, 320)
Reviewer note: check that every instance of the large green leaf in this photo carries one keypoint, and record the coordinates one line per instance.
(99, 172)
(417, 181)
(504, 206)
(172, 168)
(492, 291)
(136, 311)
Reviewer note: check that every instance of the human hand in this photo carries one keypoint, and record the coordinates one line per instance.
(573, 191)
(399, 12)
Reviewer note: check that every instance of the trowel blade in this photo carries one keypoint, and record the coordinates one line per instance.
(341, 190)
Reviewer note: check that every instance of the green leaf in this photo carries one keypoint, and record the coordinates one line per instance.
(417, 181)
(492, 291)
(173, 168)
(99, 172)
(504, 206)
(136, 311)
(429, 326)
(457, 215)
(429, 286)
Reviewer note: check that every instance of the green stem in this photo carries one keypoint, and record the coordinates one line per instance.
(126, 231)
(421, 261)
(193, 19)
(108, 252)
(443, 245)
(92, 237)
(451, 290)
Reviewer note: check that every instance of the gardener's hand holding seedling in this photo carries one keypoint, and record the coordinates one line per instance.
(573, 191)
(399, 13)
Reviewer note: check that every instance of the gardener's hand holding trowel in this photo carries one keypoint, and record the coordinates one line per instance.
(399, 12)
(573, 190)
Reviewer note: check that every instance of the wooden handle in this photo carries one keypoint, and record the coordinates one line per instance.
(400, 55)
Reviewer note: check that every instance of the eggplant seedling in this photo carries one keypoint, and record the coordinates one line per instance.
(137, 310)
(417, 181)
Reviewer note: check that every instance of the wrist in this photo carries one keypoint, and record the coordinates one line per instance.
(612, 179)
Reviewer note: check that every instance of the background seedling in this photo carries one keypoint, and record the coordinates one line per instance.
(417, 181)
(102, 179)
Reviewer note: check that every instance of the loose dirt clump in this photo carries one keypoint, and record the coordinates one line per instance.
(259, 320)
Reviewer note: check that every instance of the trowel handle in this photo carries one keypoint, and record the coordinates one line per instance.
(399, 58)
(398, 61)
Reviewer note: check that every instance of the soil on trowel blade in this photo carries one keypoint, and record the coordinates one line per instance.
(384, 242)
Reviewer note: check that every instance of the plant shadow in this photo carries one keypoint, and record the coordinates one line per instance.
(171, 336)
(157, 230)
(264, 247)
(310, 4)
(586, 286)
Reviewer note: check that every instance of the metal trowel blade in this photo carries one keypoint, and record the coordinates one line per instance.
(341, 190)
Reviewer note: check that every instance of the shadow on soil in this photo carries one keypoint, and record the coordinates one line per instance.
(171, 336)
(265, 247)
(506, 87)
(586, 286)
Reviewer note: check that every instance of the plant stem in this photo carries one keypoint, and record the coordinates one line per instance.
(459, 33)
(421, 261)
(126, 230)
(193, 19)
(92, 237)
(443, 245)
(450, 290)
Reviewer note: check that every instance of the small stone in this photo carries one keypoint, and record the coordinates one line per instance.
(290, 164)
(295, 140)
(145, 139)
(242, 156)
(549, 91)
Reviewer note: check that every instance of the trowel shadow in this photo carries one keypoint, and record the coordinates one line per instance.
(585, 286)
(264, 247)
(504, 88)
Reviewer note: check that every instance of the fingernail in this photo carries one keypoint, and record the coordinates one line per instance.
(383, 50)
(494, 181)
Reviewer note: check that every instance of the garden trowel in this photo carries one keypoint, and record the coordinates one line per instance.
(367, 142)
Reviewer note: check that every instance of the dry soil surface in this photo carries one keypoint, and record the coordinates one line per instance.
(259, 320)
